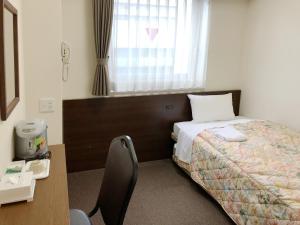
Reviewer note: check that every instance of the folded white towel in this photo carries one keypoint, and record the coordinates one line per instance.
(229, 133)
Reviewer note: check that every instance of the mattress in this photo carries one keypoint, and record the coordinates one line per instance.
(185, 133)
(256, 181)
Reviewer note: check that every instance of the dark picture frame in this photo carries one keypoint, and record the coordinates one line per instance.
(6, 107)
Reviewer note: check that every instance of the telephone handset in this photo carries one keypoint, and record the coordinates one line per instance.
(65, 54)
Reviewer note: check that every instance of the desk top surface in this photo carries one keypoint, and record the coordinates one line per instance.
(50, 205)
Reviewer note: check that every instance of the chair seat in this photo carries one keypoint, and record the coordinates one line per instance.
(79, 217)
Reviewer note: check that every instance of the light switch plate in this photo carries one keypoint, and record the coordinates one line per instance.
(47, 105)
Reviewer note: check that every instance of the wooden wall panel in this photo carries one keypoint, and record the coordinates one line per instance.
(89, 125)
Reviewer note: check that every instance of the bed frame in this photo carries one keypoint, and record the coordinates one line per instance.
(89, 125)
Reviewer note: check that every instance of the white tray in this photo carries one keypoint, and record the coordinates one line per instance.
(44, 173)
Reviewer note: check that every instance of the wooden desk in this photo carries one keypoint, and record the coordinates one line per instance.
(50, 205)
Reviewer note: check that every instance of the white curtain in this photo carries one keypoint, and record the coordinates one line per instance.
(159, 45)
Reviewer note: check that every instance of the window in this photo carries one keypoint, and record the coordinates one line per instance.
(159, 45)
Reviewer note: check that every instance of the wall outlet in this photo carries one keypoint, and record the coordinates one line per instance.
(47, 105)
(169, 107)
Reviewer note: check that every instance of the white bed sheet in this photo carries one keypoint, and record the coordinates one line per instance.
(187, 131)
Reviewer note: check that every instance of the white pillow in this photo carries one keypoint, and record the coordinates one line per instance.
(207, 108)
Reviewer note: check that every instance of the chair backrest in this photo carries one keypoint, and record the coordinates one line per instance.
(119, 180)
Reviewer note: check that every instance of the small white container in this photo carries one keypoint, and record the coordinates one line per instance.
(15, 167)
(17, 187)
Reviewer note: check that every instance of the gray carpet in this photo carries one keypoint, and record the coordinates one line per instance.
(163, 195)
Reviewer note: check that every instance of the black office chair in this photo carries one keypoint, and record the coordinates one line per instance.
(117, 186)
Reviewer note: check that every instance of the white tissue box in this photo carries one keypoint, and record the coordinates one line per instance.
(17, 187)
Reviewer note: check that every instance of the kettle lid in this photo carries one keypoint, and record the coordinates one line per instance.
(30, 128)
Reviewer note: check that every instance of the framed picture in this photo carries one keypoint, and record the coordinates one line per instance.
(9, 59)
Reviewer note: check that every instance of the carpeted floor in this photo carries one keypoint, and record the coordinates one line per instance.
(163, 195)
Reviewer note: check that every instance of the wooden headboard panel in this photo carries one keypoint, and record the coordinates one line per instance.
(89, 125)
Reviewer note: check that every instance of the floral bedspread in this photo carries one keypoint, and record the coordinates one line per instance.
(256, 181)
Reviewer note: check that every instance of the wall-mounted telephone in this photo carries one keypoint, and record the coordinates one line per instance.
(65, 56)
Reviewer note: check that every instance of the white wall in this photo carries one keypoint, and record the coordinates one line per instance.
(78, 33)
(7, 127)
(40, 35)
(228, 19)
(42, 39)
(271, 62)
(224, 60)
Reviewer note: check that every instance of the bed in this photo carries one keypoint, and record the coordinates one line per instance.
(256, 181)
